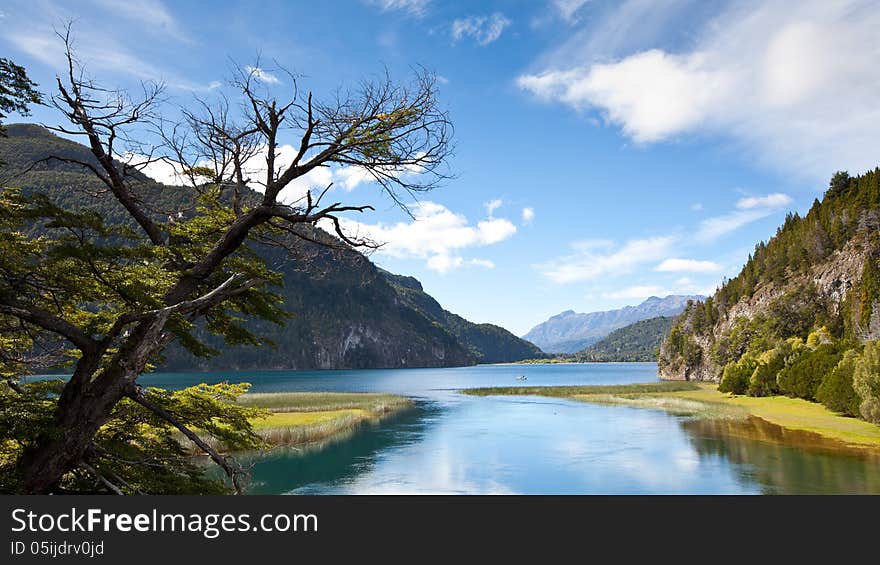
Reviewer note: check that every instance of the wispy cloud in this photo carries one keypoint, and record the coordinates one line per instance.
(712, 228)
(262, 75)
(594, 259)
(413, 7)
(527, 215)
(775, 200)
(568, 9)
(676, 265)
(482, 29)
(749, 209)
(152, 14)
(492, 205)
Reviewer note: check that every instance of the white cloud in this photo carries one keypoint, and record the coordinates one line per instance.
(637, 291)
(413, 7)
(254, 169)
(675, 265)
(750, 209)
(600, 258)
(528, 214)
(697, 206)
(492, 205)
(712, 228)
(642, 291)
(568, 9)
(262, 75)
(485, 263)
(483, 29)
(436, 234)
(775, 200)
(794, 85)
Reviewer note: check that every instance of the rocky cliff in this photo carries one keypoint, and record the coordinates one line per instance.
(817, 271)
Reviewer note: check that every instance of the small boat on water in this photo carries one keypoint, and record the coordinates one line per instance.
(521, 378)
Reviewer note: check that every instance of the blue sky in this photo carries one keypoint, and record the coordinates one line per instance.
(605, 151)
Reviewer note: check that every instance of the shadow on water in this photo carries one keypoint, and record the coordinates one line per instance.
(785, 461)
(340, 460)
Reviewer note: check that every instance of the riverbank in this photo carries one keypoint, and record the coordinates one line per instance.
(703, 400)
(304, 417)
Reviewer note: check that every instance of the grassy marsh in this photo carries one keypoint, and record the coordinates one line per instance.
(305, 417)
(703, 400)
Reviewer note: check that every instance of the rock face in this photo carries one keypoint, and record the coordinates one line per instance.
(817, 271)
(345, 312)
(570, 331)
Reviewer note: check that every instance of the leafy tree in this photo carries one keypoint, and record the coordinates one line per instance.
(17, 91)
(802, 377)
(109, 297)
(736, 376)
(866, 382)
(836, 391)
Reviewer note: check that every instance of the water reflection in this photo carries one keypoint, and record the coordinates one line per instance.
(785, 461)
(338, 460)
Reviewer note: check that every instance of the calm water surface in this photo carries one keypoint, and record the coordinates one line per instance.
(453, 443)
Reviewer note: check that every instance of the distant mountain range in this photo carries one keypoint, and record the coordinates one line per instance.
(570, 331)
(346, 312)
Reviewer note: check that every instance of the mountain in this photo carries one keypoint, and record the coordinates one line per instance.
(570, 331)
(489, 343)
(346, 312)
(818, 275)
(636, 342)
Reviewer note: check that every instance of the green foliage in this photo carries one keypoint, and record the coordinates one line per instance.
(636, 342)
(866, 382)
(802, 376)
(139, 451)
(737, 375)
(763, 381)
(869, 291)
(17, 91)
(836, 391)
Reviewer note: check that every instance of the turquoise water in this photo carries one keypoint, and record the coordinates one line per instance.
(453, 443)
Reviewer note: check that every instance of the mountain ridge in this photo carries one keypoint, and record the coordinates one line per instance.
(570, 331)
(347, 312)
(818, 272)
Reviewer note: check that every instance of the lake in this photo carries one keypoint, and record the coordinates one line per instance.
(458, 444)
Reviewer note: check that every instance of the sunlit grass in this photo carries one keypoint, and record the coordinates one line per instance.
(324, 401)
(794, 414)
(305, 417)
(703, 400)
(666, 386)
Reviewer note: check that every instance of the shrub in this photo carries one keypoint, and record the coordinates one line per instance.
(866, 382)
(770, 363)
(736, 375)
(836, 391)
(803, 377)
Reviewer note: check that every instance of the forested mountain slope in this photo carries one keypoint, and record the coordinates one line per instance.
(345, 312)
(636, 342)
(818, 271)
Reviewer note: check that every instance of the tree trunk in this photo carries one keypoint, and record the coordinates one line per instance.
(56, 454)
(85, 405)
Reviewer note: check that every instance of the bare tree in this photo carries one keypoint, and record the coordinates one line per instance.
(397, 135)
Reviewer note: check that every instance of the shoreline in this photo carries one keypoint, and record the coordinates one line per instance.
(302, 418)
(704, 401)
